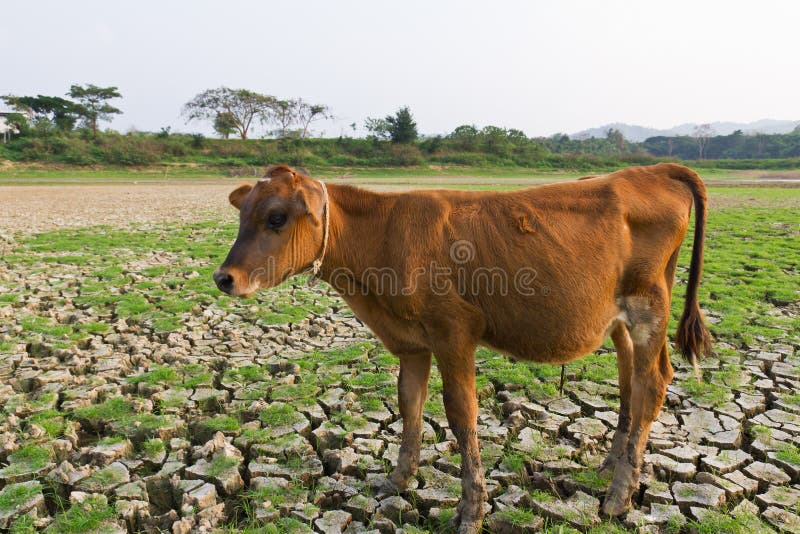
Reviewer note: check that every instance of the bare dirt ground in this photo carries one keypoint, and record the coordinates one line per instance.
(39, 208)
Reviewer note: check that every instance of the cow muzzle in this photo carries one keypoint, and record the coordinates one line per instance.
(224, 281)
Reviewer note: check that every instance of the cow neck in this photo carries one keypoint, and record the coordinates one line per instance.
(356, 219)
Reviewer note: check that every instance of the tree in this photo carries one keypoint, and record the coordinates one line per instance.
(616, 138)
(495, 140)
(62, 113)
(378, 128)
(224, 124)
(402, 128)
(240, 106)
(761, 140)
(93, 104)
(516, 136)
(11, 124)
(308, 113)
(702, 134)
(465, 137)
(284, 113)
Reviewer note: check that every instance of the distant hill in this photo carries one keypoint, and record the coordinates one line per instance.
(637, 133)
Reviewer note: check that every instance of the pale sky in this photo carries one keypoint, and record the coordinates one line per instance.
(541, 67)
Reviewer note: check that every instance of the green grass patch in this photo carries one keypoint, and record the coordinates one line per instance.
(542, 496)
(103, 477)
(255, 391)
(221, 464)
(788, 453)
(442, 522)
(247, 374)
(195, 375)
(52, 421)
(88, 516)
(160, 375)
(114, 409)
(290, 392)
(514, 462)
(761, 432)
(145, 421)
(153, 447)
(28, 458)
(14, 495)
(222, 423)
(594, 367)
(279, 414)
(592, 479)
(372, 404)
(369, 380)
(706, 392)
(716, 521)
(794, 400)
(349, 421)
(9, 298)
(277, 495)
(23, 525)
(516, 516)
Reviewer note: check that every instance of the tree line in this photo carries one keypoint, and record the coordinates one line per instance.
(66, 129)
(229, 111)
(89, 104)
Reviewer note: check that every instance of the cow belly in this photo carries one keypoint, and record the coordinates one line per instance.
(555, 339)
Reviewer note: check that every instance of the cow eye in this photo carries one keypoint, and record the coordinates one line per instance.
(276, 220)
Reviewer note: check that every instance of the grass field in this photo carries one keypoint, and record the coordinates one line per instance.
(114, 338)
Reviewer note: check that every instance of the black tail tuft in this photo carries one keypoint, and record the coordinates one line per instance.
(693, 338)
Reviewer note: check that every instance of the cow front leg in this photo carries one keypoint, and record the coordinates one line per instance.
(461, 406)
(412, 390)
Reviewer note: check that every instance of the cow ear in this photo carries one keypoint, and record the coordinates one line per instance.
(237, 196)
(306, 207)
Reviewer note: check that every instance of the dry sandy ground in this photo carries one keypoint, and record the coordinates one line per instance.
(38, 208)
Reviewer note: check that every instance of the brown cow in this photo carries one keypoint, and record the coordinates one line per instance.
(580, 260)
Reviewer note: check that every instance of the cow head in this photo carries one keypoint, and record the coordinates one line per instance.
(280, 231)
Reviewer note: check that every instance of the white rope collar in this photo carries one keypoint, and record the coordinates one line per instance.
(316, 266)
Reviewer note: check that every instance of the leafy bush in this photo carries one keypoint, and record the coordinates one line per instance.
(127, 150)
(404, 155)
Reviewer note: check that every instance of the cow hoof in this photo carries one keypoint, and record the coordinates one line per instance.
(470, 527)
(468, 521)
(616, 504)
(466, 526)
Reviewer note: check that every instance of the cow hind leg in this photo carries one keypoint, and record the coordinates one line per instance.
(651, 373)
(461, 407)
(624, 346)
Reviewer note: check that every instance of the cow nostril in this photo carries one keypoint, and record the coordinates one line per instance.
(224, 281)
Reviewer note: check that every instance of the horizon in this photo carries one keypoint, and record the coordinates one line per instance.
(542, 69)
